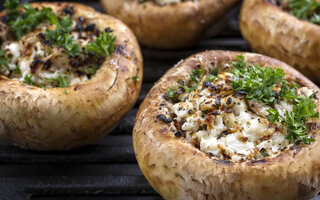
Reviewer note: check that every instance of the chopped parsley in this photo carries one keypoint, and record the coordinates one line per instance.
(28, 79)
(102, 46)
(22, 19)
(296, 120)
(3, 60)
(306, 10)
(61, 81)
(257, 82)
(212, 75)
(17, 70)
(264, 152)
(172, 95)
(135, 78)
(91, 70)
(61, 36)
(195, 78)
(65, 40)
(267, 86)
(23, 22)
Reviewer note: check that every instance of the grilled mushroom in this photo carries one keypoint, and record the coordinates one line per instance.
(168, 24)
(59, 94)
(203, 155)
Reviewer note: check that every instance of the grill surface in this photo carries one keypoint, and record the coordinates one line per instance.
(106, 169)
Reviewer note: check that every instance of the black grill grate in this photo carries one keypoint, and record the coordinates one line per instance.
(106, 169)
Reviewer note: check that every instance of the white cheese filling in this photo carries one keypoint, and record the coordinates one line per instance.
(30, 50)
(234, 131)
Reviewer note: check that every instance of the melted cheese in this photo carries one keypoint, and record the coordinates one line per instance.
(31, 50)
(234, 132)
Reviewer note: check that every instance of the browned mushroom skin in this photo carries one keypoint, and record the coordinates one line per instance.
(167, 27)
(272, 31)
(178, 170)
(34, 118)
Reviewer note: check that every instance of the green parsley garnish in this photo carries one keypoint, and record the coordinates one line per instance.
(17, 70)
(12, 9)
(65, 40)
(305, 9)
(28, 79)
(62, 38)
(91, 70)
(3, 60)
(172, 95)
(212, 75)
(135, 78)
(66, 91)
(23, 22)
(195, 78)
(264, 152)
(296, 120)
(61, 81)
(257, 82)
(102, 46)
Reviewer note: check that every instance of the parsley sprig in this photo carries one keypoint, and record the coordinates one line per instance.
(28, 79)
(3, 60)
(61, 36)
(212, 75)
(23, 22)
(306, 10)
(91, 70)
(135, 78)
(296, 120)
(257, 82)
(64, 40)
(103, 45)
(195, 78)
(61, 81)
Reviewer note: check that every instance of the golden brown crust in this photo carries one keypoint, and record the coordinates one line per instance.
(34, 118)
(167, 27)
(274, 32)
(177, 170)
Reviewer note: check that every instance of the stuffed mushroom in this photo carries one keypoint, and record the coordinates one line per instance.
(168, 24)
(285, 29)
(67, 74)
(230, 125)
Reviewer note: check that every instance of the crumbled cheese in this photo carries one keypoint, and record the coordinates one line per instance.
(237, 135)
(30, 50)
(14, 49)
